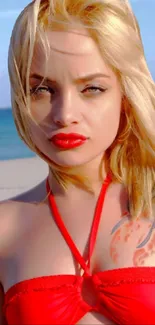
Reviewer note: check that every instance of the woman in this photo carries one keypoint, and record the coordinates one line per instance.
(79, 248)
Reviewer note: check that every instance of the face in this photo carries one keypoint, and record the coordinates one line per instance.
(80, 95)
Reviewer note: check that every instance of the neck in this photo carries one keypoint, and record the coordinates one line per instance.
(95, 172)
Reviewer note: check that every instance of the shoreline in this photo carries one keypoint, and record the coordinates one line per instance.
(20, 175)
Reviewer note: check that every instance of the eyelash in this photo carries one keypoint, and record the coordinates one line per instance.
(36, 90)
(101, 90)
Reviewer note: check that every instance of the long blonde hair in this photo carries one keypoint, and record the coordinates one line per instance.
(112, 24)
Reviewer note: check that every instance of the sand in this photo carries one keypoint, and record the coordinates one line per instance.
(18, 176)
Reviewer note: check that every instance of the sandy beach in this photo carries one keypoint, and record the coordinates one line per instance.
(18, 176)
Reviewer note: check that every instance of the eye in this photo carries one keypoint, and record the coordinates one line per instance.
(91, 90)
(41, 90)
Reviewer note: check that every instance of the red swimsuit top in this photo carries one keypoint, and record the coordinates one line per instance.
(124, 296)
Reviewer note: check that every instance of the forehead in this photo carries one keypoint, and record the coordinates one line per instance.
(73, 42)
(71, 49)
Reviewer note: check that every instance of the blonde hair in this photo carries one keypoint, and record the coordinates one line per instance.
(112, 24)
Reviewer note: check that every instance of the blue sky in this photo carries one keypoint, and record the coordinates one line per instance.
(10, 9)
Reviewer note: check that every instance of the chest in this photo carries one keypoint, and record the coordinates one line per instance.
(41, 249)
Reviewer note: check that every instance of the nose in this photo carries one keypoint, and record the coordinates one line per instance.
(67, 111)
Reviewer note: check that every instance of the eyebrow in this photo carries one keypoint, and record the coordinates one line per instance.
(39, 77)
(91, 77)
(78, 80)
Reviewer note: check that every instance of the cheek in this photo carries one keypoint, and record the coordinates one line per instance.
(37, 133)
(107, 117)
(41, 111)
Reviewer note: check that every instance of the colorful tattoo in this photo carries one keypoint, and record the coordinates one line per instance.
(140, 234)
(147, 238)
(119, 223)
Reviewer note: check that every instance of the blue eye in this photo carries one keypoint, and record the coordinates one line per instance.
(41, 90)
(93, 90)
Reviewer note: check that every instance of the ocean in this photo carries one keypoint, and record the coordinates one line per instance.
(11, 146)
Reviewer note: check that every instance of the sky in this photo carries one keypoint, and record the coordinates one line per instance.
(10, 9)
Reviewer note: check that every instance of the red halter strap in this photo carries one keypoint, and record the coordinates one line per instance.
(95, 225)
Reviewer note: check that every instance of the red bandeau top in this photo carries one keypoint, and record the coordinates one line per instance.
(125, 296)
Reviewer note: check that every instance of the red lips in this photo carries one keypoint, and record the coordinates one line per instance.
(68, 140)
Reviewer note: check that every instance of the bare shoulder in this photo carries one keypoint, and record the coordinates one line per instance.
(13, 211)
(9, 211)
(15, 217)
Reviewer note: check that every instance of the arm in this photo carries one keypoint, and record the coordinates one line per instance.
(2, 318)
(6, 212)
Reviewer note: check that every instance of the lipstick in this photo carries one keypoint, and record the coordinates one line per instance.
(68, 141)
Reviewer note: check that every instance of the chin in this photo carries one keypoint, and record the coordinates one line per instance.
(69, 159)
(73, 157)
(67, 162)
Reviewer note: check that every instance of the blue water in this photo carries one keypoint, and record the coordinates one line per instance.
(11, 146)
